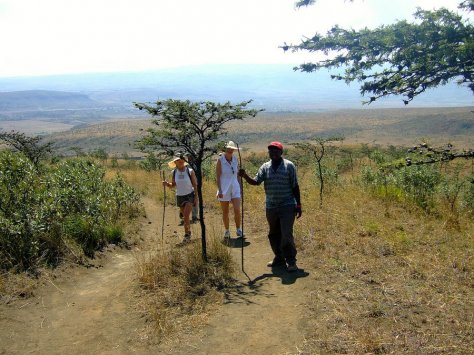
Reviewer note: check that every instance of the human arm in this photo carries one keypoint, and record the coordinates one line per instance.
(170, 184)
(243, 174)
(296, 193)
(218, 178)
(194, 183)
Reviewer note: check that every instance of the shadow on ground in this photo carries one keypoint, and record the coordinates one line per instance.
(287, 278)
(235, 242)
(245, 292)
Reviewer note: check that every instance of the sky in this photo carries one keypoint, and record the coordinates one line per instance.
(44, 37)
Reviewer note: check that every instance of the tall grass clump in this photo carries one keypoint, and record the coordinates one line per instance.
(179, 286)
(58, 209)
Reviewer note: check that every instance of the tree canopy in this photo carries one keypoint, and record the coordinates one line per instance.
(193, 129)
(404, 58)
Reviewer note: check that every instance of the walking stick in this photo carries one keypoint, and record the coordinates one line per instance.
(242, 209)
(164, 210)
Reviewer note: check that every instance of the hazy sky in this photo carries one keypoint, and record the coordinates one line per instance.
(73, 36)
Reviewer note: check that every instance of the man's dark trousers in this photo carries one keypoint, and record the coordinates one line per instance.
(281, 220)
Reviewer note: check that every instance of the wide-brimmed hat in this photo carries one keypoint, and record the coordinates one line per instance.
(276, 145)
(231, 145)
(172, 163)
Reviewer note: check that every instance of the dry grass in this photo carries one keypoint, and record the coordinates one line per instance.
(389, 278)
(16, 286)
(178, 289)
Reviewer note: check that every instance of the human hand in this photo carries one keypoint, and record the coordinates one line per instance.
(242, 173)
(165, 183)
(298, 211)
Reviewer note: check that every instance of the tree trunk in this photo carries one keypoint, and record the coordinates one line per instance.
(201, 212)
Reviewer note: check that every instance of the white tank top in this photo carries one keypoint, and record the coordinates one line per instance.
(183, 181)
(229, 174)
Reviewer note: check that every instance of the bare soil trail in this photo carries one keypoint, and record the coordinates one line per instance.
(90, 310)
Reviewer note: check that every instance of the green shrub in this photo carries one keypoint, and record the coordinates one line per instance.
(42, 210)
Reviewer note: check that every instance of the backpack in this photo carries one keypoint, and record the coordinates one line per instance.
(187, 170)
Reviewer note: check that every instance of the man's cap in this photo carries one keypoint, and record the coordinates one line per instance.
(276, 145)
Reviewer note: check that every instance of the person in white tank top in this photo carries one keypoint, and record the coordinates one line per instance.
(229, 187)
(184, 179)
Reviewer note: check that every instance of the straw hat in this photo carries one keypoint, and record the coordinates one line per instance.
(231, 145)
(172, 163)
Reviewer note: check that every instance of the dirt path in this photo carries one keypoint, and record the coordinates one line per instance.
(263, 316)
(89, 311)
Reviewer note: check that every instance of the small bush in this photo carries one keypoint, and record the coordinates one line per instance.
(180, 284)
(44, 211)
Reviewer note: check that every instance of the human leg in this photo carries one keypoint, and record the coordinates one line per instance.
(287, 246)
(274, 234)
(237, 215)
(225, 213)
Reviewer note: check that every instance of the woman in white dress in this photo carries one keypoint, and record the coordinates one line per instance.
(229, 187)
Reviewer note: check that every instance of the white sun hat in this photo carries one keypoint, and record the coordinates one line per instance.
(231, 145)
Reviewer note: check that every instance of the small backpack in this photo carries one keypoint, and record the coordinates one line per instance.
(187, 170)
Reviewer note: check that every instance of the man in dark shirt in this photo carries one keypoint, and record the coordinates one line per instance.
(282, 204)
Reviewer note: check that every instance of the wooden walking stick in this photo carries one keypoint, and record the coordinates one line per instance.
(242, 208)
(164, 210)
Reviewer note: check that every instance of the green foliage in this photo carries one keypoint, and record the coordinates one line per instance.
(419, 183)
(468, 196)
(153, 162)
(402, 58)
(42, 212)
(19, 189)
(31, 147)
(99, 153)
(193, 129)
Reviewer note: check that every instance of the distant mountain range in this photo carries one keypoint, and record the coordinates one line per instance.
(273, 87)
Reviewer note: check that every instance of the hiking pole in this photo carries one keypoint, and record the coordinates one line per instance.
(164, 210)
(242, 208)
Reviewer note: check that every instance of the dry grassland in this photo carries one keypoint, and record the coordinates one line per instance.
(389, 277)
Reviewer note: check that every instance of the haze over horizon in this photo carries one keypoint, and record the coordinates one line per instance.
(54, 37)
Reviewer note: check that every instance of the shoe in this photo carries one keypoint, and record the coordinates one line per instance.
(194, 220)
(187, 238)
(276, 262)
(292, 267)
(240, 234)
(181, 223)
(227, 234)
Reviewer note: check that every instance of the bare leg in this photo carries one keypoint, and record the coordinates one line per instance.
(237, 215)
(187, 208)
(225, 213)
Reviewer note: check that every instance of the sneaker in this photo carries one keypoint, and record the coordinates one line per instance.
(292, 267)
(240, 234)
(276, 262)
(227, 234)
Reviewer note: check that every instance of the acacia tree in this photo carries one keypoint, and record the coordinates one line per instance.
(318, 150)
(398, 59)
(193, 128)
(31, 147)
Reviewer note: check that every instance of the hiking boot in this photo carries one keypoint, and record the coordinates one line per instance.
(276, 262)
(292, 267)
(240, 233)
(226, 235)
(187, 237)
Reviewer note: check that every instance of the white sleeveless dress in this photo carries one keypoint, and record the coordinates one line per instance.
(230, 186)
